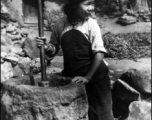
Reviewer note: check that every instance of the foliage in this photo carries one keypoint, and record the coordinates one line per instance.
(106, 6)
(131, 45)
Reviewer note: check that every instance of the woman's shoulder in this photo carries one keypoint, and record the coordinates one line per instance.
(92, 22)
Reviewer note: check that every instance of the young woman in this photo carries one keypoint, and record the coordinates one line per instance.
(80, 38)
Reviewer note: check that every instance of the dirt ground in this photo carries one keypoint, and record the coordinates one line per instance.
(109, 25)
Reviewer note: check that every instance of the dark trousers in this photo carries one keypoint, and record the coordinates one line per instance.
(99, 95)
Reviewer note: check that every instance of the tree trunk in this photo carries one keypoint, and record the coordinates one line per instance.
(120, 5)
(140, 5)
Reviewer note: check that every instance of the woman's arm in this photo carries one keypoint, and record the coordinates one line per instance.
(98, 57)
(98, 49)
(49, 48)
(52, 48)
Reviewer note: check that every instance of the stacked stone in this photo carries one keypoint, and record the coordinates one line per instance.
(18, 52)
(12, 37)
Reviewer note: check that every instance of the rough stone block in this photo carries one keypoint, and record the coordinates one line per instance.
(20, 101)
(138, 78)
(139, 111)
(17, 71)
(125, 93)
(10, 28)
(5, 40)
(127, 20)
(6, 71)
(30, 48)
(24, 63)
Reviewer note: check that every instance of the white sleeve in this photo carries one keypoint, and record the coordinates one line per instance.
(96, 37)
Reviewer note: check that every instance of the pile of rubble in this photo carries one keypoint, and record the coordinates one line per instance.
(12, 38)
(18, 46)
(18, 52)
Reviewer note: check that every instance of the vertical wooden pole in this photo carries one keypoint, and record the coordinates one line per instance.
(41, 34)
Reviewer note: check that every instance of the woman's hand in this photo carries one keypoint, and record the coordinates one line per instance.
(41, 41)
(81, 80)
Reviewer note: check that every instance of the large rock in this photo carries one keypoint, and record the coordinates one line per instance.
(127, 20)
(5, 41)
(17, 71)
(11, 48)
(10, 28)
(24, 63)
(16, 37)
(139, 111)
(5, 49)
(123, 95)
(6, 71)
(17, 50)
(25, 102)
(30, 48)
(139, 78)
(12, 58)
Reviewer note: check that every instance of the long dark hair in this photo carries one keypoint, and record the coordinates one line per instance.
(70, 9)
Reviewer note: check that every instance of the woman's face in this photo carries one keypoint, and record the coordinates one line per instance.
(85, 9)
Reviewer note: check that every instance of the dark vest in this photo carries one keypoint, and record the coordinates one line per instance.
(77, 53)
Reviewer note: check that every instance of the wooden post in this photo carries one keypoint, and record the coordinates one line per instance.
(41, 34)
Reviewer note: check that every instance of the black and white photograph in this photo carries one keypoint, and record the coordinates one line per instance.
(75, 60)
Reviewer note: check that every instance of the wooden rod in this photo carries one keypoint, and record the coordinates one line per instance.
(41, 34)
